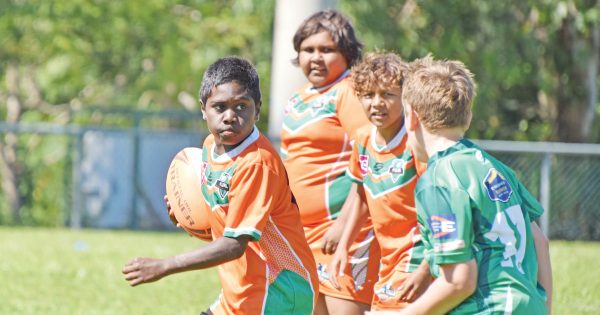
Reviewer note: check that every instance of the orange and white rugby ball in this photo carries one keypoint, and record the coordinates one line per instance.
(185, 195)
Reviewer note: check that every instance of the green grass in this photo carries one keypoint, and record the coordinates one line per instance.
(58, 271)
(65, 272)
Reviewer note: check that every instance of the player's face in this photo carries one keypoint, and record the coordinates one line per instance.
(230, 115)
(320, 59)
(383, 107)
(415, 137)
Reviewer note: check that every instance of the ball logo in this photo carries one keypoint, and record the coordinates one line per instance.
(497, 187)
(443, 226)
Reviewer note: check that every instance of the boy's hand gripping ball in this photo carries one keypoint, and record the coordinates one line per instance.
(185, 194)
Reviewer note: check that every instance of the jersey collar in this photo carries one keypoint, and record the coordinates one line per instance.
(228, 156)
(391, 145)
(315, 90)
(458, 146)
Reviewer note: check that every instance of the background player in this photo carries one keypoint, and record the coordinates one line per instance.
(264, 262)
(387, 174)
(319, 121)
(476, 218)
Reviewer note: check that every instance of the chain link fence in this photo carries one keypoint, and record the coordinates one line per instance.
(113, 177)
(564, 177)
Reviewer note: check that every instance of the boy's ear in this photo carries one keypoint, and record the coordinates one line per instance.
(258, 110)
(411, 119)
(202, 109)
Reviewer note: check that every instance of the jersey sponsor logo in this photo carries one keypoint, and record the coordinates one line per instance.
(377, 167)
(497, 187)
(396, 170)
(322, 272)
(363, 160)
(386, 292)
(299, 114)
(443, 226)
(222, 184)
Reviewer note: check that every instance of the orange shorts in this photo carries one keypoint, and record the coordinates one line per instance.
(361, 272)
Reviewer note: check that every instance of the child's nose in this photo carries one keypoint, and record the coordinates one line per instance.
(316, 55)
(229, 115)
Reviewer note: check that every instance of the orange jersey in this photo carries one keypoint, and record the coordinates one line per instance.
(315, 145)
(247, 192)
(389, 176)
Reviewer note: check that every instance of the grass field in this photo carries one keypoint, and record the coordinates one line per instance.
(58, 271)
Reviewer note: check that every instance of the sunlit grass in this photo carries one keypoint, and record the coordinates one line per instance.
(59, 271)
(79, 272)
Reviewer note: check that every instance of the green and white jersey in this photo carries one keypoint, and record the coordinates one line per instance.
(471, 205)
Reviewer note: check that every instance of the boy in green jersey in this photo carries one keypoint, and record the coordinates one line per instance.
(477, 220)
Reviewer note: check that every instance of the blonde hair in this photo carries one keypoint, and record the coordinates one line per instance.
(384, 70)
(440, 92)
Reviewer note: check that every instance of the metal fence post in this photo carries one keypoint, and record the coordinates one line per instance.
(545, 176)
(77, 204)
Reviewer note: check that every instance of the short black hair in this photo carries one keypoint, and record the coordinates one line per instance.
(230, 69)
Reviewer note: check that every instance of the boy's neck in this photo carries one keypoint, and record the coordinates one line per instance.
(385, 135)
(441, 140)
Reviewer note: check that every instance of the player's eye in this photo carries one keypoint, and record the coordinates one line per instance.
(368, 95)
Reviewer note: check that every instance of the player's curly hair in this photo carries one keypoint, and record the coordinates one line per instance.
(230, 69)
(384, 70)
(340, 29)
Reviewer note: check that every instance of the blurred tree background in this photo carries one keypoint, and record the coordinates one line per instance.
(536, 63)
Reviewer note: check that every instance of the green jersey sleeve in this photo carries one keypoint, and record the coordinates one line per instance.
(445, 218)
(529, 203)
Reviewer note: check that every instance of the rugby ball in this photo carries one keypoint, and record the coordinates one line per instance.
(183, 186)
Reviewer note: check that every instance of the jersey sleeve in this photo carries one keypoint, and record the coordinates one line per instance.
(446, 223)
(350, 112)
(529, 203)
(250, 201)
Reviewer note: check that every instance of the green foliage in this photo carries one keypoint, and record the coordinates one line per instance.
(126, 55)
(130, 53)
(529, 57)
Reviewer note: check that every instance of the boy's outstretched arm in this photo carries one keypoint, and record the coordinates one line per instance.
(542, 250)
(455, 283)
(358, 213)
(144, 270)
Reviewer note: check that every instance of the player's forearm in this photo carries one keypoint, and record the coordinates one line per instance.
(455, 284)
(542, 250)
(215, 253)
(349, 206)
(358, 214)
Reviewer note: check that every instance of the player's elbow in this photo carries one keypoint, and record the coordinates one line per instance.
(467, 288)
(465, 282)
(540, 239)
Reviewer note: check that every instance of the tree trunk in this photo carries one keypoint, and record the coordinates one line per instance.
(8, 155)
